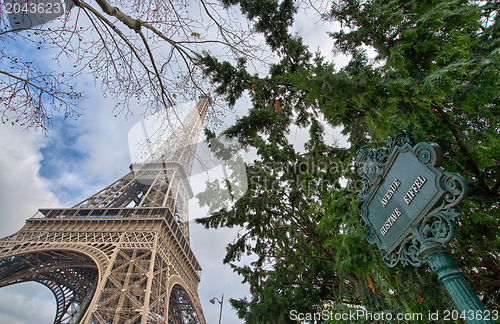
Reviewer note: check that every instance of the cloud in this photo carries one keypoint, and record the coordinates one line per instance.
(22, 190)
(27, 303)
(82, 156)
(217, 279)
(314, 33)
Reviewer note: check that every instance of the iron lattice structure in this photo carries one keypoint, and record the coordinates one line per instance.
(122, 255)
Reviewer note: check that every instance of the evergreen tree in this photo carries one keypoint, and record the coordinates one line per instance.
(435, 74)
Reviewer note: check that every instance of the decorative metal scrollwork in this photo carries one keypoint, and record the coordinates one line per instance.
(390, 259)
(426, 153)
(434, 225)
(438, 228)
(410, 251)
(455, 186)
(369, 163)
(370, 234)
(401, 139)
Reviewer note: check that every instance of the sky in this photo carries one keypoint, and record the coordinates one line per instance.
(76, 158)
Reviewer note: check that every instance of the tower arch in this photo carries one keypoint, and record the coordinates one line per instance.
(70, 274)
(180, 306)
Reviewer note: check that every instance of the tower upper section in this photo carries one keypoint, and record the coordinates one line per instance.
(180, 147)
(157, 188)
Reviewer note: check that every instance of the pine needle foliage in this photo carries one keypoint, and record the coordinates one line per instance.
(435, 73)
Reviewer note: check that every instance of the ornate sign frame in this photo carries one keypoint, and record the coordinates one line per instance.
(407, 198)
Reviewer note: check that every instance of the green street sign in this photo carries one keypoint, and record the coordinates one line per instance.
(407, 199)
(407, 194)
(407, 202)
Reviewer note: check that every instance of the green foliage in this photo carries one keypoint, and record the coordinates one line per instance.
(436, 74)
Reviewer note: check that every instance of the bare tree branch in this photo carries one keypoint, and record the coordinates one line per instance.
(141, 53)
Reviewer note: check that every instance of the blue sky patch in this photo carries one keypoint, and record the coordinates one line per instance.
(63, 157)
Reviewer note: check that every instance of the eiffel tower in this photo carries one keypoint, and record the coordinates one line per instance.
(123, 254)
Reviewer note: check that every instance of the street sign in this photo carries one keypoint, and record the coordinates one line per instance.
(407, 198)
(407, 202)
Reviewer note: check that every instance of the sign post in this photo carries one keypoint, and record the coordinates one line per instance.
(407, 203)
